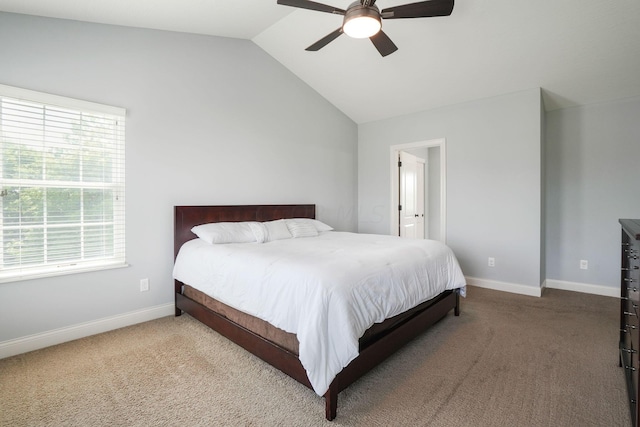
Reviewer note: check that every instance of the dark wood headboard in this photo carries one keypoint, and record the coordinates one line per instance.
(186, 217)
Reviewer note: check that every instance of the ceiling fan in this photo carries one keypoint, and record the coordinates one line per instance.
(363, 19)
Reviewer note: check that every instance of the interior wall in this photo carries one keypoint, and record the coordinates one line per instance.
(493, 181)
(210, 120)
(543, 201)
(592, 181)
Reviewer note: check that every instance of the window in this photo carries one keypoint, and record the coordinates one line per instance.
(61, 185)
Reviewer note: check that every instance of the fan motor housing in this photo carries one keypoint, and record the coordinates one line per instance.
(357, 9)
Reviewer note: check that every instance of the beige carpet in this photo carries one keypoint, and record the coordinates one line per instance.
(508, 360)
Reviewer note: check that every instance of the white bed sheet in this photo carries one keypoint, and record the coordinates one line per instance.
(328, 290)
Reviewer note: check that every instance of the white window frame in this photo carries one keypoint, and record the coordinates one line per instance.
(118, 260)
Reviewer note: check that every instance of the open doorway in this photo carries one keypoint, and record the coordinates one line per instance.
(426, 217)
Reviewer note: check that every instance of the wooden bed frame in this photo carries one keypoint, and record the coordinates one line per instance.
(185, 217)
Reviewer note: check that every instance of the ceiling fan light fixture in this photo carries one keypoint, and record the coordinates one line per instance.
(361, 22)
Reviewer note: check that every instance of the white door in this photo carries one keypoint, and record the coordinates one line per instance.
(408, 207)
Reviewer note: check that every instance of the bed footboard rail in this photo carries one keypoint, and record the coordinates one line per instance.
(377, 352)
(178, 291)
(289, 363)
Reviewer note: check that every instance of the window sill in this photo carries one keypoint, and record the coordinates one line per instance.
(60, 271)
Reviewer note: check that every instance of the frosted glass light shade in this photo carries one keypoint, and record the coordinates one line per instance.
(361, 27)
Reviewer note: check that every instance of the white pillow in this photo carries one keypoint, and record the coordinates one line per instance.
(277, 230)
(259, 232)
(319, 225)
(300, 228)
(270, 230)
(225, 232)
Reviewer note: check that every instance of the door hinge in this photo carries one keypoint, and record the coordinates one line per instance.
(399, 207)
(399, 163)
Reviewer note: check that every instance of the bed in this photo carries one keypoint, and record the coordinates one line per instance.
(286, 347)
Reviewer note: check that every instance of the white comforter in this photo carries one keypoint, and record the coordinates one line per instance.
(328, 290)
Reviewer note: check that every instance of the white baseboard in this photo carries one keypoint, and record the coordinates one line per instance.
(534, 291)
(74, 332)
(586, 288)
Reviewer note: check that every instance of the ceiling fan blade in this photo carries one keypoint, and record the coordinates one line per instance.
(383, 43)
(423, 9)
(325, 40)
(311, 5)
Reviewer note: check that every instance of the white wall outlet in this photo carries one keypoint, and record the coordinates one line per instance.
(584, 264)
(491, 262)
(144, 285)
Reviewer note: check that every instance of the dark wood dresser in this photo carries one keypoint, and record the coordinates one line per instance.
(630, 310)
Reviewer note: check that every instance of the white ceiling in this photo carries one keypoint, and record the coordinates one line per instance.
(578, 51)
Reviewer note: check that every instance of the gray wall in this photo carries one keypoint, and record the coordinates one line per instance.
(587, 179)
(493, 149)
(592, 180)
(209, 121)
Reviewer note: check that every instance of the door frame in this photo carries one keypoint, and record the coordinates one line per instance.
(393, 168)
(423, 178)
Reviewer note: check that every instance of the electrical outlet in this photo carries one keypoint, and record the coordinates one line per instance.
(491, 262)
(584, 264)
(144, 285)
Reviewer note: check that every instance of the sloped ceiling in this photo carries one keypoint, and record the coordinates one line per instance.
(578, 51)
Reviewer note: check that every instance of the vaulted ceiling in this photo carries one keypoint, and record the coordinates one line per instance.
(578, 51)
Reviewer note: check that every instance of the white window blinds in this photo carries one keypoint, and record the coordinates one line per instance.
(61, 185)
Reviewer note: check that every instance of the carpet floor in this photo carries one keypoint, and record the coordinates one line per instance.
(507, 360)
